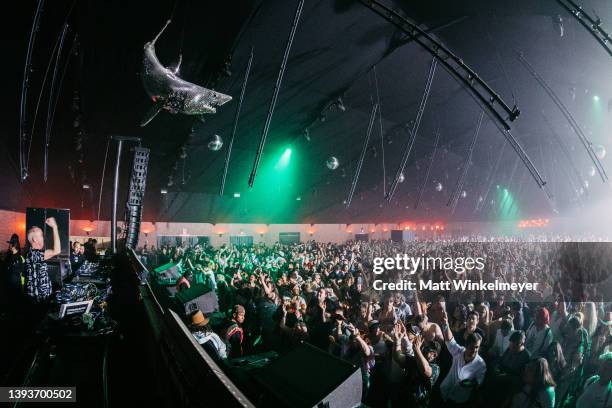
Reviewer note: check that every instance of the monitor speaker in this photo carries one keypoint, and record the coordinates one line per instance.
(167, 274)
(198, 297)
(338, 385)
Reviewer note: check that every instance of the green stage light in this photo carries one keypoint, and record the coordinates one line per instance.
(284, 159)
(507, 207)
(596, 98)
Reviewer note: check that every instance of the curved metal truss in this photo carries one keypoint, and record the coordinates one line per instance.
(486, 96)
(491, 102)
(592, 25)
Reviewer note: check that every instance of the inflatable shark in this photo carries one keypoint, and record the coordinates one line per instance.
(172, 93)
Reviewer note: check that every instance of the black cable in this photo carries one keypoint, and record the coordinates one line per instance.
(364, 148)
(23, 165)
(279, 80)
(454, 198)
(568, 116)
(382, 137)
(235, 127)
(52, 100)
(102, 179)
(429, 167)
(415, 129)
(480, 203)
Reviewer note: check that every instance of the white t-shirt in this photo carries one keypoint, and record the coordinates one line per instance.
(595, 395)
(476, 369)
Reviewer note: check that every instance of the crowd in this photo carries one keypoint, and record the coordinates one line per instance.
(548, 348)
(545, 348)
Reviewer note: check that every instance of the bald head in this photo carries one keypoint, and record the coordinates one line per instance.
(36, 238)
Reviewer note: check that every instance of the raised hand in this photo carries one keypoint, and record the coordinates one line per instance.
(399, 331)
(444, 317)
(51, 222)
(418, 342)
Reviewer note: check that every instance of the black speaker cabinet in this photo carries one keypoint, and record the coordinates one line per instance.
(199, 296)
(337, 385)
(362, 237)
(35, 217)
(402, 235)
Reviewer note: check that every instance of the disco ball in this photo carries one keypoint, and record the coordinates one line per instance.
(401, 178)
(600, 151)
(215, 143)
(439, 186)
(332, 163)
(463, 194)
(592, 172)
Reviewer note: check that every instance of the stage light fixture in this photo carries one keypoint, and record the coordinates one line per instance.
(164, 191)
(596, 98)
(236, 195)
(401, 178)
(284, 159)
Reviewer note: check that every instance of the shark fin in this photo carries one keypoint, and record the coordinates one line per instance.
(151, 113)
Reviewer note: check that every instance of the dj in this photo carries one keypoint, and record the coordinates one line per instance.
(37, 282)
(76, 257)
